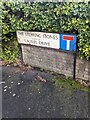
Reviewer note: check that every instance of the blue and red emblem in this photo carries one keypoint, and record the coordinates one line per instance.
(68, 42)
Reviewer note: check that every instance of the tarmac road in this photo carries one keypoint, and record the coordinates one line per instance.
(24, 96)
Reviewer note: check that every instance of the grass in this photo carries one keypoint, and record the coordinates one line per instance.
(60, 81)
(69, 84)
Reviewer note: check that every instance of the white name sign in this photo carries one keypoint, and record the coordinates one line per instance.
(49, 40)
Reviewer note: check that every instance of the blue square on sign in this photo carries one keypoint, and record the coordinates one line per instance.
(68, 42)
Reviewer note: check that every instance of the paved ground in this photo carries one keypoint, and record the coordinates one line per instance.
(24, 96)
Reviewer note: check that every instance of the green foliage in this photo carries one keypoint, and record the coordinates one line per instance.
(10, 52)
(47, 16)
(69, 84)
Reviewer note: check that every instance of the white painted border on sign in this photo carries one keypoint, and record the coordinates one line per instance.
(49, 40)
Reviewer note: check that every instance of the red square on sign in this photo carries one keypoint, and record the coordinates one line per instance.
(66, 37)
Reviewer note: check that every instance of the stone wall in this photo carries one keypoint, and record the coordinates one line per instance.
(55, 60)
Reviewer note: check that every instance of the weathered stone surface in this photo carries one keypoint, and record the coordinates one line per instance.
(55, 60)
